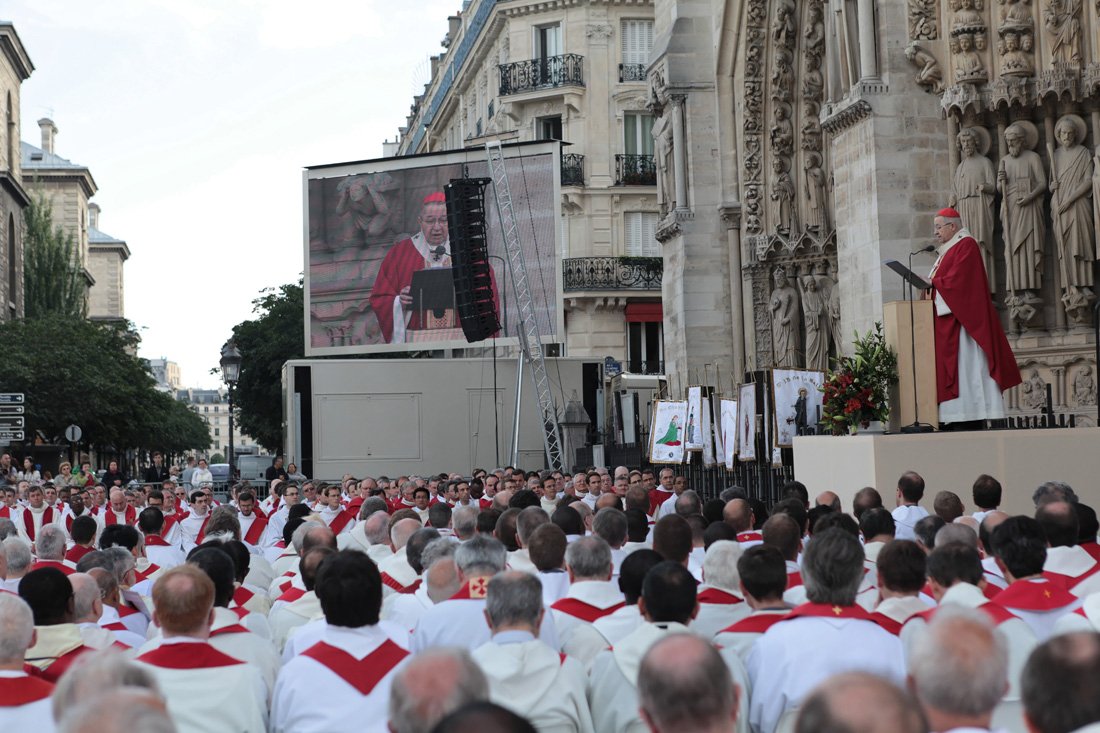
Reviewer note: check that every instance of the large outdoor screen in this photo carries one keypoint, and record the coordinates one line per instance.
(378, 250)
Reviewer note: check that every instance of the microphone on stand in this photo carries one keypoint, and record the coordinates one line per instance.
(916, 426)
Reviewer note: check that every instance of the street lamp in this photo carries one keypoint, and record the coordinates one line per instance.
(231, 372)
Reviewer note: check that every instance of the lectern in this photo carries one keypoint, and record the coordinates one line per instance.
(922, 362)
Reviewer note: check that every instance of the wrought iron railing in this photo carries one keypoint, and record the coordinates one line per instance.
(635, 170)
(545, 73)
(572, 169)
(612, 273)
(632, 72)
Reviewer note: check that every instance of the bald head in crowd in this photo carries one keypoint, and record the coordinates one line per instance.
(738, 514)
(858, 701)
(432, 685)
(402, 530)
(685, 687)
(1060, 684)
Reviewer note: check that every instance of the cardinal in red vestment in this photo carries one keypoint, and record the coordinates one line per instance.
(974, 362)
(390, 297)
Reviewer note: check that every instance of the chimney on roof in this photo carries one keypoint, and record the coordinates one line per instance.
(93, 215)
(49, 132)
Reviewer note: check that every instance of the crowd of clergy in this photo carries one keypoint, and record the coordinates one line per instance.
(608, 601)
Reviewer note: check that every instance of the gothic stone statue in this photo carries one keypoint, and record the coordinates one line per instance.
(786, 348)
(1072, 215)
(1022, 181)
(974, 187)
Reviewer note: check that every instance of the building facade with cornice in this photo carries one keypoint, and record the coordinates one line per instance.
(15, 68)
(68, 188)
(573, 71)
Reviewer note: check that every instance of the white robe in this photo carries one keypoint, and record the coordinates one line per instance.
(209, 698)
(407, 608)
(311, 697)
(461, 622)
(30, 708)
(165, 557)
(905, 519)
(532, 680)
(246, 646)
(1074, 562)
(795, 655)
(1021, 639)
(713, 617)
(289, 615)
(601, 594)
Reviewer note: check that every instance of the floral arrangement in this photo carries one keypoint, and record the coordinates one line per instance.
(858, 390)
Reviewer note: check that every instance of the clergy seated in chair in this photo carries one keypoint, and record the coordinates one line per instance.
(860, 701)
(355, 660)
(525, 675)
(668, 604)
(460, 620)
(1061, 684)
(959, 673)
(763, 579)
(25, 703)
(684, 686)
(432, 686)
(827, 635)
(189, 669)
(58, 642)
(1020, 549)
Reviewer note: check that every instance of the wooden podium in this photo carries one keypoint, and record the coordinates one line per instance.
(895, 319)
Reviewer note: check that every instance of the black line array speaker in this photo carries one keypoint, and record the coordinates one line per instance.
(474, 293)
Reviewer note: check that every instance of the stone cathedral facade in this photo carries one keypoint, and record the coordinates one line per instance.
(800, 143)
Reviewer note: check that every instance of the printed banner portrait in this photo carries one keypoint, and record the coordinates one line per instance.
(693, 437)
(729, 433)
(746, 423)
(797, 397)
(666, 434)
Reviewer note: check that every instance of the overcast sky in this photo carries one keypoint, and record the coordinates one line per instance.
(196, 120)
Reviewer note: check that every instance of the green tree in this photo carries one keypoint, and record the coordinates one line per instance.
(52, 280)
(79, 372)
(266, 343)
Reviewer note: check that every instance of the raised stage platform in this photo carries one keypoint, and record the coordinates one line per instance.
(1019, 459)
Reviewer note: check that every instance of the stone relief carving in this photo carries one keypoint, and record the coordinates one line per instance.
(1022, 182)
(813, 82)
(1062, 19)
(1033, 391)
(1071, 181)
(969, 67)
(816, 216)
(783, 27)
(755, 36)
(599, 31)
(782, 75)
(922, 20)
(967, 17)
(1015, 60)
(782, 132)
(783, 307)
(1016, 15)
(1084, 388)
(783, 194)
(929, 74)
(974, 185)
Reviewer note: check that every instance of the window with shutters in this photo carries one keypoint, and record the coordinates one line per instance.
(641, 234)
(637, 40)
(638, 133)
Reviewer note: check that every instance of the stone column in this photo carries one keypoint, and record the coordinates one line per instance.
(868, 63)
(679, 151)
(731, 216)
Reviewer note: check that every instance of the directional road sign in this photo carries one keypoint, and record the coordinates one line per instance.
(11, 398)
(8, 436)
(10, 422)
(73, 433)
(11, 409)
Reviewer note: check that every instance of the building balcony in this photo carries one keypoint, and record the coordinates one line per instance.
(612, 273)
(632, 72)
(572, 169)
(635, 170)
(546, 73)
